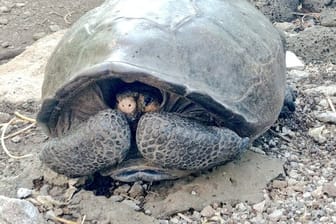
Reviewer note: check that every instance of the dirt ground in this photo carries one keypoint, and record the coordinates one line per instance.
(23, 22)
(303, 140)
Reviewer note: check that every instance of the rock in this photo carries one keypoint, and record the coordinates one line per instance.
(230, 182)
(314, 44)
(328, 117)
(23, 193)
(279, 184)
(316, 134)
(208, 211)
(328, 17)
(5, 44)
(20, 5)
(306, 195)
(123, 189)
(329, 189)
(318, 192)
(3, 21)
(38, 35)
(4, 9)
(259, 207)
(116, 198)
(285, 26)
(21, 78)
(136, 190)
(4, 117)
(174, 220)
(148, 212)
(131, 204)
(293, 62)
(15, 211)
(276, 215)
(54, 28)
(16, 139)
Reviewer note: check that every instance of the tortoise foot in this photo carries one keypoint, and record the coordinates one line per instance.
(100, 142)
(172, 141)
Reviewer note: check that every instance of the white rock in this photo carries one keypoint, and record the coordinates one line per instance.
(208, 211)
(328, 117)
(131, 204)
(293, 62)
(259, 207)
(20, 5)
(316, 134)
(4, 9)
(307, 195)
(13, 211)
(54, 28)
(3, 21)
(16, 139)
(276, 215)
(24, 193)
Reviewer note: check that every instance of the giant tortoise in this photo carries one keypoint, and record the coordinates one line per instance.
(152, 90)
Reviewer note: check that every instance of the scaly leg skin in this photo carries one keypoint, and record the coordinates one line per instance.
(100, 142)
(176, 142)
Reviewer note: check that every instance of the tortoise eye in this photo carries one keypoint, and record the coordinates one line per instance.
(148, 100)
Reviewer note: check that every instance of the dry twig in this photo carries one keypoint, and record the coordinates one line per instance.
(4, 128)
(330, 104)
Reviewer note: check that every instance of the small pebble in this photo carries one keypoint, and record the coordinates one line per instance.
(293, 62)
(116, 198)
(279, 184)
(4, 9)
(4, 117)
(123, 189)
(148, 212)
(174, 220)
(131, 204)
(5, 44)
(276, 215)
(23, 193)
(54, 28)
(329, 189)
(38, 35)
(20, 5)
(16, 139)
(3, 21)
(316, 134)
(136, 190)
(259, 207)
(208, 211)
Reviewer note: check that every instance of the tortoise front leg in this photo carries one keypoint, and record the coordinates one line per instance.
(100, 142)
(177, 142)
